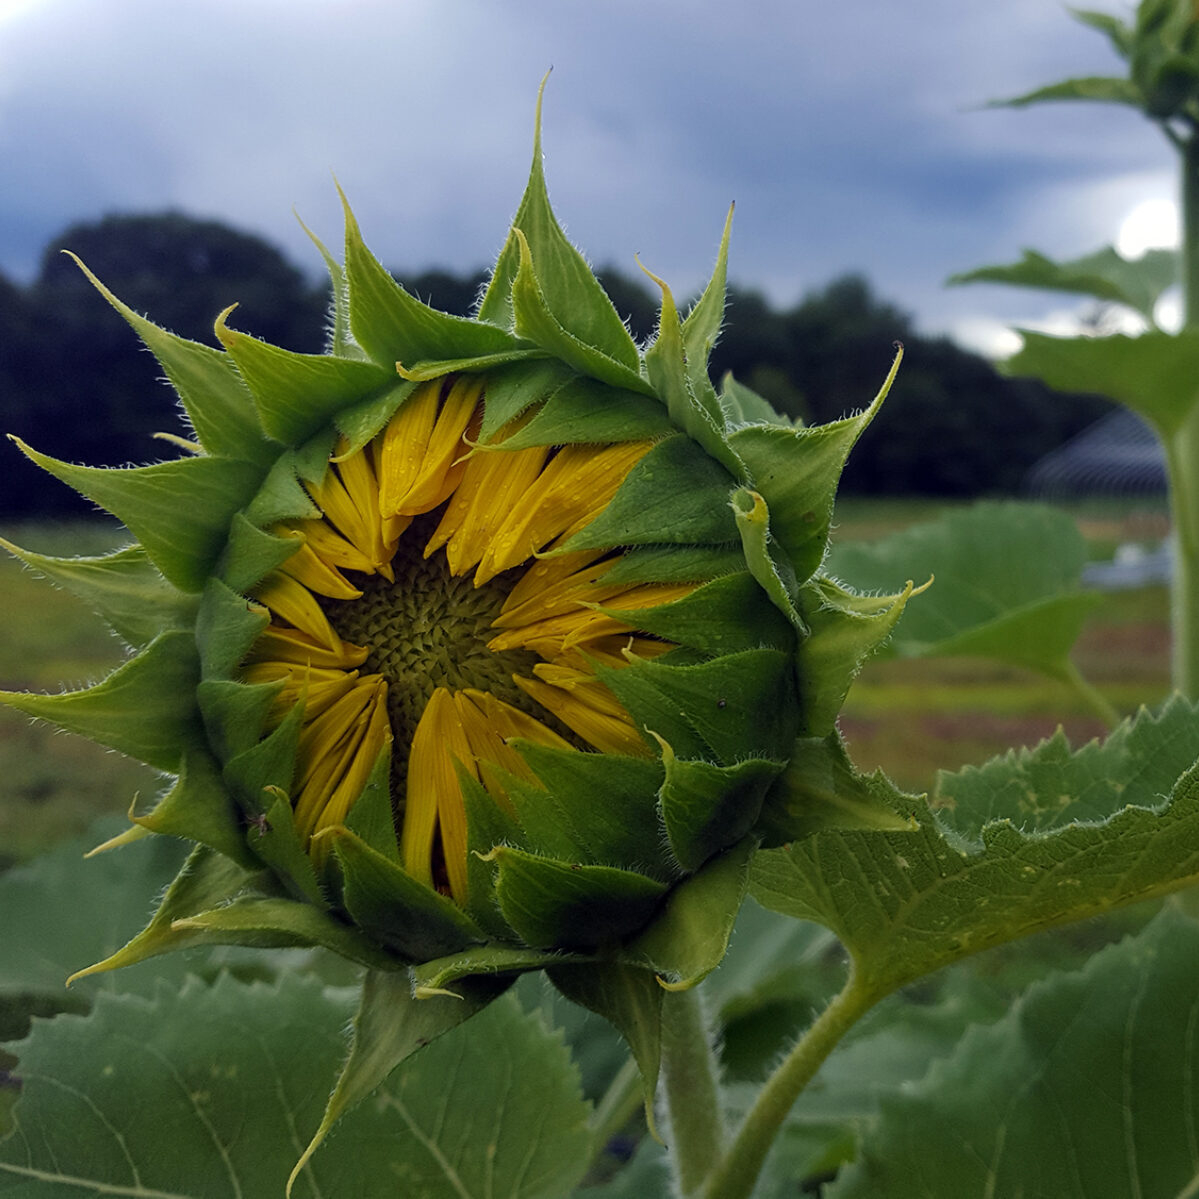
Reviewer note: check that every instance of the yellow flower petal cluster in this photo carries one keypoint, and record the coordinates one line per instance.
(491, 521)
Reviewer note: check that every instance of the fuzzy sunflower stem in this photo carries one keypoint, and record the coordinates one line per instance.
(737, 1172)
(1182, 455)
(1091, 695)
(689, 1076)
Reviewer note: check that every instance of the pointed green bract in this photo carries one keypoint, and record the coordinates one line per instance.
(208, 880)
(227, 626)
(124, 587)
(146, 708)
(252, 553)
(686, 390)
(845, 630)
(630, 999)
(551, 903)
(298, 394)
(390, 1026)
(538, 323)
(689, 938)
(771, 569)
(706, 808)
(389, 905)
(594, 809)
(701, 327)
(199, 807)
(215, 398)
(584, 410)
(729, 614)
(741, 705)
(180, 511)
(570, 293)
(797, 470)
(395, 327)
(676, 493)
(1110, 88)
(360, 422)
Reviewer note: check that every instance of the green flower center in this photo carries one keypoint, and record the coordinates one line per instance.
(430, 629)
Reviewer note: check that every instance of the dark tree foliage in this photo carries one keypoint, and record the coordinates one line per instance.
(74, 383)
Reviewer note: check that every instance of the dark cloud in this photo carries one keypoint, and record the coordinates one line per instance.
(849, 135)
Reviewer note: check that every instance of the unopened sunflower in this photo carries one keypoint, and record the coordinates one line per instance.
(475, 646)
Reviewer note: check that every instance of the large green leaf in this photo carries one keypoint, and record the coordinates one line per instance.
(1085, 1089)
(1104, 274)
(1154, 374)
(210, 1091)
(906, 904)
(1005, 584)
(61, 912)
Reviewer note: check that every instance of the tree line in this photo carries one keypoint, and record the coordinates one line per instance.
(75, 383)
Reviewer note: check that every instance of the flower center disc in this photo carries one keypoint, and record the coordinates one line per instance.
(430, 629)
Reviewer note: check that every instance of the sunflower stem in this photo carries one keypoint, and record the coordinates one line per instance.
(689, 1075)
(736, 1173)
(617, 1105)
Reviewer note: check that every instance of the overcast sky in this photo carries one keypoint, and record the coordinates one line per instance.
(850, 135)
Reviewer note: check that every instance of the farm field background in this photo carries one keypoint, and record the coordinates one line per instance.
(908, 717)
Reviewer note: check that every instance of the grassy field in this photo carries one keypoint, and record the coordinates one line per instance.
(911, 718)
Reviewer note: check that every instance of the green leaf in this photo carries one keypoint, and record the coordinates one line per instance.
(1104, 88)
(1005, 584)
(395, 328)
(675, 494)
(227, 625)
(744, 406)
(145, 708)
(62, 911)
(797, 471)
(1153, 374)
(341, 341)
(124, 587)
(210, 1090)
(360, 422)
(213, 395)
(298, 394)
(570, 294)
(906, 904)
(1118, 33)
(1104, 275)
(252, 553)
(1084, 1089)
(180, 511)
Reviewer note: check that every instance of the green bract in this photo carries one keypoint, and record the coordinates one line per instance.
(711, 700)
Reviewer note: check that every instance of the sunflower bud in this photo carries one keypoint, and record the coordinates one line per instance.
(476, 646)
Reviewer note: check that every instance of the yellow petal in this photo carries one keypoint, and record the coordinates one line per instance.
(609, 734)
(306, 566)
(434, 815)
(330, 545)
(443, 464)
(280, 644)
(575, 486)
(294, 603)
